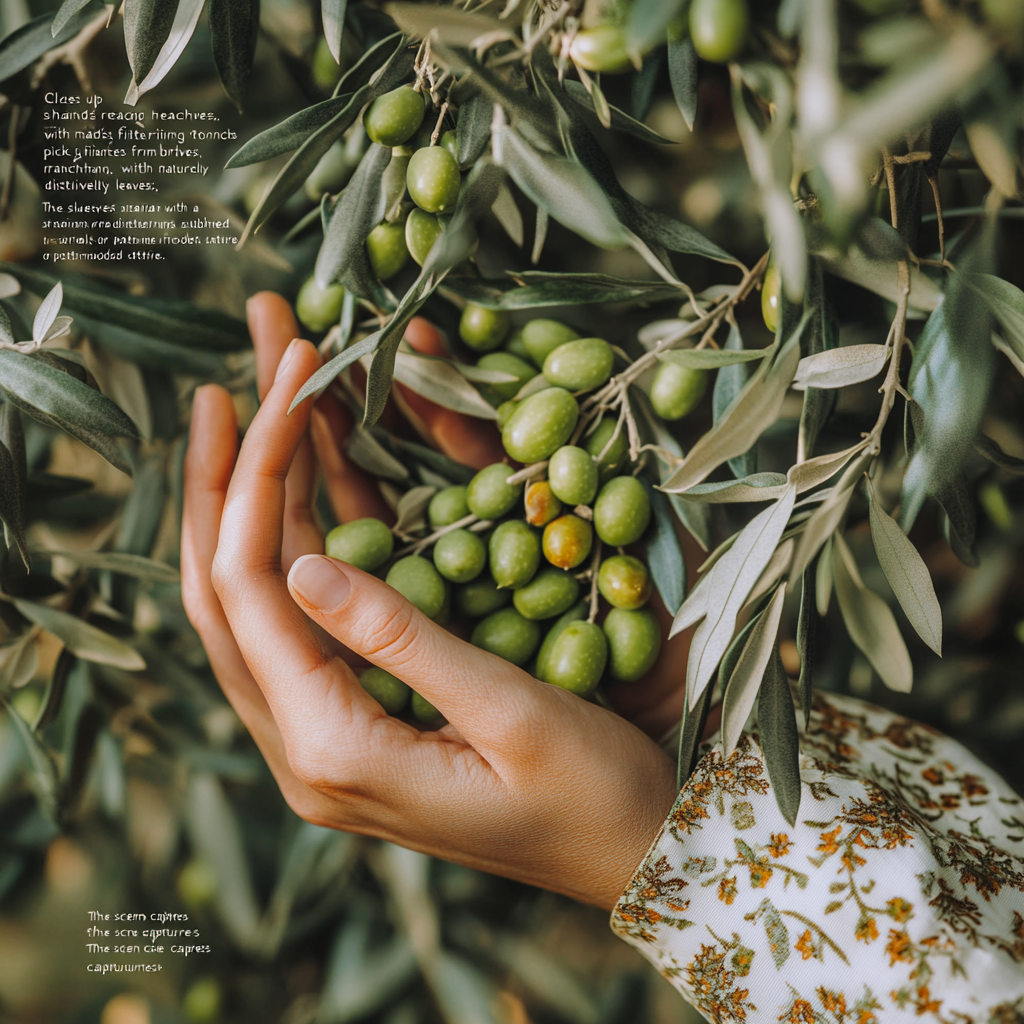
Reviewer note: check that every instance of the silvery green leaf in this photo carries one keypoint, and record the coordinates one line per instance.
(823, 579)
(712, 358)
(473, 130)
(9, 286)
(6, 332)
(538, 288)
(776, 727)
(805, 637)
(411, 506)
(841, 367)
(683, 74)
(67, 11)
(648, 23)
(19, 662)
(234, 28)
(138, 566)
(332, 15)
(814, 472)
(741, 690)
(776, 568)
(47, 312)
(664, 555)
(507, 213)
(618, 119)
(907, 575)
(341, 362)
(290, 133)
(61, 325)
(879, 276)
(44, 778)
(442, 383)
(82, 638)
(691, 728)
(449, 25)
(367, 452)
(1007, 304)
(184, 24)
(147, 24)
(727, 586)
(729, 382)
(869, 621)
(757, 487)
(25, 45)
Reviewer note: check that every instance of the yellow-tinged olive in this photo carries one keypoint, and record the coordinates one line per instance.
(719, 28)
(387, 690)
(624, 582)
(319, 308)
(577, 658)
(419, 582)
(609, 445)
(386, 248)
(393, 118)
(505, 362)
(578, 611)
(433, 179)
(365, 543)
(425, 712)
(567, 541)
(541, 337)
(771, 296)
(580, 365)
(483, 329)
(602, 48)
(448, 506)
(551, 592)
(573, 475)
(422, 230)
(514, 554)
(507, 634)
(459, 556)
(489, 495)
(634, 641)
(481, 597)
(622, 511)
(541, 425)
(541, 504)
(677, 390)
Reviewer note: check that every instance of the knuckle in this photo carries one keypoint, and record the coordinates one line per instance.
(393, 636)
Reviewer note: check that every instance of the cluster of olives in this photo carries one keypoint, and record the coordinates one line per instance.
(514, 551)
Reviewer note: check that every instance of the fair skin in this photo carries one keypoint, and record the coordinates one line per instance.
(526, 781)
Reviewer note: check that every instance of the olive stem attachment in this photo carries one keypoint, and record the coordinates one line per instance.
(526, 473)
(470, 522)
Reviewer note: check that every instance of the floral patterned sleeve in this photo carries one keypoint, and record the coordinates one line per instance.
(898, 896)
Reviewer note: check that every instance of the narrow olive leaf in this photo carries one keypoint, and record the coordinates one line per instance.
(47, 312)
(186, 17)
(870, 622)
(648, 23)
(712, 358)
(137, 566)
(332, 14)
(44, 778)
(907, 575)
(12, 488)
(644, 83)
(67, 11)
(664, 555)
(154, 353)
(683, 67)
(442, 383)
(691, 728)
(367, 452)
(478, 375)
(732, 655)
(544, 288)
(6, 330)
(411, 506)
(61, 325)
(814, 472)
(749, 414)
(771, 574)
(1007, 304)
(992, 452)
(805, 638)
(822, 335)
(619, 119)
(473, 130)
(24, 46)
(147, 24)
(234, 29)
(727, 585)
(729, 382)
(745, 680)
(449, 25)
(823, 579)
(841, 367)
(289, 134)
(341, 362)
(432, 460)
(776, 728)
(507, 213)
(81, 638)
(756, 487)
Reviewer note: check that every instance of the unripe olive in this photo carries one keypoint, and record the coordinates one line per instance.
(387, 690)
(572, 473)
(551, 592)
(577, 658)
(507, 634)
(197, 884)
(676, 390)
(624, 582)
(634, 640)
(488, 495)
(394, 117)
(447, 506)
(567, 541)
(541, 425)
(422, 230)
(326, 70)
(481, 597)
(622, 511)
(506, 363)
(517, 346)
(425, 712)
(541, 337)
(514, 553)
(331, 172)
(365, 543)
(613, 460)
(771, 292)
(718, 28)
(541, 504)
(459, 556)
(578, 611)
(483, 329)
(450, 141)
(580, 365)
(433, 179)
(201, 1004)
(319, 308)
(386, 248)
(504, 412)
(418, 581)
(602, 48)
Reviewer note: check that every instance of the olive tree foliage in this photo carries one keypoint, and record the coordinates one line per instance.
(890, 395)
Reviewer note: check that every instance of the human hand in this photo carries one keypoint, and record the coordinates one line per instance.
(526, 781)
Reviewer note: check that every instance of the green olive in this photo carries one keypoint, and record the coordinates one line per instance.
(433, 179)
(719, 28)
(387, 690)
(365, 543)
(514, 553)
(326, 70)
(450, 141)
(418, 581)
(572, 473)
(504, 413)
(771, 296)
(580, 365)
(578, 611)
(551, 592)
(601, 49)
(481, 597)
(624, 582)
(622, 511)
(394, 117)
(676, 390)
(425, 712)
(517, 346)
(541, 504)
(541, 337)
(577, 658)
(483, 329)
(197, 884)
(541, 425)
(386, 248)
(506, 363)
(319, 308)
(447, 506)
(330, 174)
(614, 459)
(202, 1001)
(422, 230)
(567, 541)
(459, 556)
(488, 495)
(634, 640)
(507, 634)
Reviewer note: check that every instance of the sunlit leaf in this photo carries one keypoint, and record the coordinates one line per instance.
(332, 15)
(712, 358)
(757, 487)
(442, 383)
(841, 367)
(186, 17)
(82, 638)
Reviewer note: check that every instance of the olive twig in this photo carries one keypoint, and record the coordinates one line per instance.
(526, 473)
(471, 522)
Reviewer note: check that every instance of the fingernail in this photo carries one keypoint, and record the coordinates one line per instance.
(289, 355)
(319, 581)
